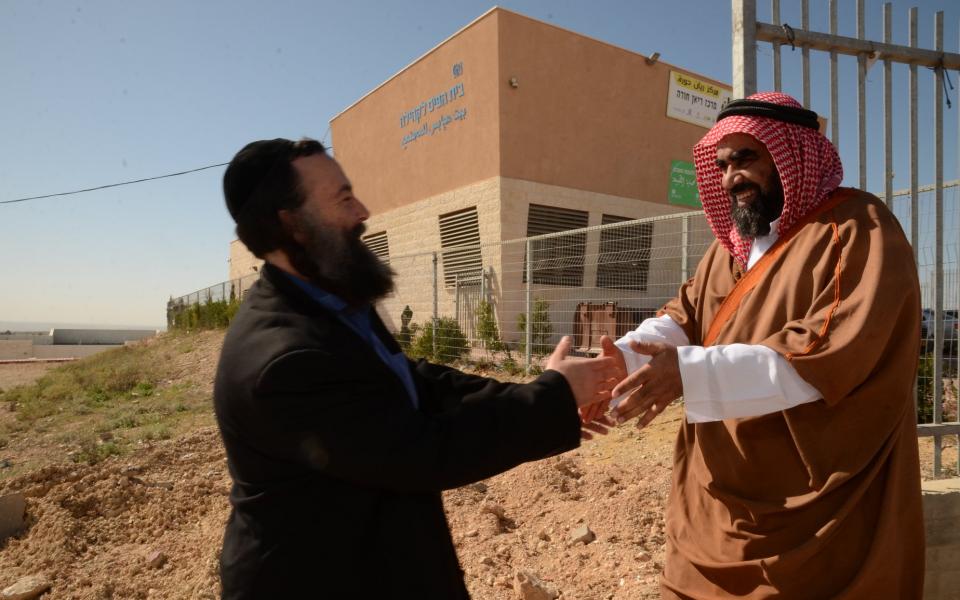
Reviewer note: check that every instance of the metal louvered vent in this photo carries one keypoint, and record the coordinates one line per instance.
(460, 228)
(377, 242)
(624, 261)
(556, 260)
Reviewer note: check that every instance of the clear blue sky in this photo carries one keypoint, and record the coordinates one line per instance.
(99, 92)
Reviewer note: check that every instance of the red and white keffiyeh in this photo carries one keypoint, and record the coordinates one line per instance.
(807, 162)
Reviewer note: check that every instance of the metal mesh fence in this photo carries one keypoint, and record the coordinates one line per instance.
(938, 357)
(584, 283)
(233, 289)
(225, 292)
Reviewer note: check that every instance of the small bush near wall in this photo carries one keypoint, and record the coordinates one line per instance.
(540, 332)
(487, 331)
(451, 343)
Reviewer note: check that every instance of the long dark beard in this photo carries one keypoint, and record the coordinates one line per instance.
(754, 219)
(339, 262)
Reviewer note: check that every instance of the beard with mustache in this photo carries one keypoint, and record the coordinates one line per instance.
(754, 219)
(338, 261)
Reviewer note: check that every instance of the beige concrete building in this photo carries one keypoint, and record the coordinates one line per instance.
(513, 127)
(242, 261)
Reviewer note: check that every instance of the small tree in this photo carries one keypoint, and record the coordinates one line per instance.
(487, 330)
(541, 329)
(451, 342)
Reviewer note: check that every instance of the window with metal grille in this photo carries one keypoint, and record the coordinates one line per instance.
(556, 260)
(460, 228)
(624, 261)
(377, 242)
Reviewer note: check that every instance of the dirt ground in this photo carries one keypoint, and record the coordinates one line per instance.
(149, 524)
(19, 373)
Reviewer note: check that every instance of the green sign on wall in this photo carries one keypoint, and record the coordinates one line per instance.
(683, 184)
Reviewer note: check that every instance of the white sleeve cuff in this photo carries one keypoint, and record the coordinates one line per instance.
(661, 329)
(739, 380)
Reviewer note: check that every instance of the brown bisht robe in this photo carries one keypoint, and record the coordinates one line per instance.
(821, 500)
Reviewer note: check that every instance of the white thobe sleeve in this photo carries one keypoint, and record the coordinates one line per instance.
(722, 382)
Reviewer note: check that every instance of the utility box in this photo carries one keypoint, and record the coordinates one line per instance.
(591, 321)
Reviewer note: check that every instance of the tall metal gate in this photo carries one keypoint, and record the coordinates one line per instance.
(469, 291)
(748, 31)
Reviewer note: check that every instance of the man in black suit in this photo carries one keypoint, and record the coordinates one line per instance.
(338, 445)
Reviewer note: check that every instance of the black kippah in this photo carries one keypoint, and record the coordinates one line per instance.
(758, 108)
(249, 176)
(248, 170)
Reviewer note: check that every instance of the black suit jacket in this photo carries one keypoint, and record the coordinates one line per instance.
(337, 477)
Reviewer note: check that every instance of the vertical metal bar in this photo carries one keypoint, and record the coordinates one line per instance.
(805, 25)
(744, 48)
(862, 98)
(456, 296)
(685, 247)
(887, 110)
(914, 145)
(436, 303)
(528, 333)
(483, 300)
(483, 284)
(777, 83)
(938, 249)
(834, 97)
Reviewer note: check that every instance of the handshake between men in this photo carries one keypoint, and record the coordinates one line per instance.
(645, 393)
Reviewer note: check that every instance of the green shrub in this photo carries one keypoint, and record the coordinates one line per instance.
(487, 330)
(156, 431)
(92, 452)
(451, 342)
(540, 331)
(510, 366)
(212, 314)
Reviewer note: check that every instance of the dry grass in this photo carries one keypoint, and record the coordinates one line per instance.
(110, 403)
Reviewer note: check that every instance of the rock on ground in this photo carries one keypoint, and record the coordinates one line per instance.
(27, 588)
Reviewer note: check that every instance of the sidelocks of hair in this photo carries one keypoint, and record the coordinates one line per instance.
(259, 182)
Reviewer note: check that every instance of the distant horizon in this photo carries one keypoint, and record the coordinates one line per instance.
(31, 326)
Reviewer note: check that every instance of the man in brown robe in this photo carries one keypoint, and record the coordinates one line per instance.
(795, 346)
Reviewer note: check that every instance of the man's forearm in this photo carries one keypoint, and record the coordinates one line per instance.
(723, 382)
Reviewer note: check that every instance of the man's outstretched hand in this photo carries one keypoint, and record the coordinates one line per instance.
(655, 385)
(595, 411)
(593, 415)
(590, 379)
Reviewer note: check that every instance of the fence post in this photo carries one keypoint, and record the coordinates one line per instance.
(528, 334)
(456, 297)
(685, 247)
(483, 284)
(938, 295)
(435, 303)
(744, 47)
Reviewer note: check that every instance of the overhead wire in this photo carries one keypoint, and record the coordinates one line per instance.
(112, 185)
